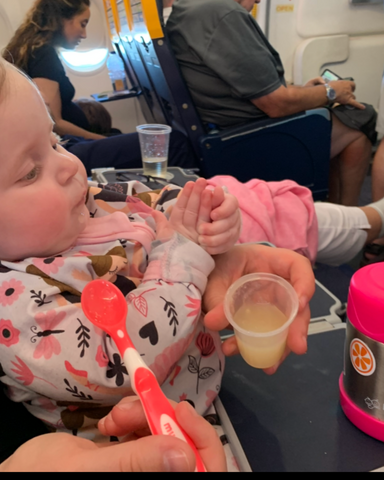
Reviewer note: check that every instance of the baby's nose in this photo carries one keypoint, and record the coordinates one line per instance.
(68, 169)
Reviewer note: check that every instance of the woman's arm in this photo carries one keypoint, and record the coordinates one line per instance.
(50, 92)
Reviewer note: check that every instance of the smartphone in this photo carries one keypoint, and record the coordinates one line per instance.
(330, 76)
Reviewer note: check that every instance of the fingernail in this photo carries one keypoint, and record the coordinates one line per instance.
(125, 407)
(176, 461)
(191, 409)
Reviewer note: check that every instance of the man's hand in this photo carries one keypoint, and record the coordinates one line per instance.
(315, 81)
(345, 93)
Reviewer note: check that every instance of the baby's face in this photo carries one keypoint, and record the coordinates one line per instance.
(42, 187)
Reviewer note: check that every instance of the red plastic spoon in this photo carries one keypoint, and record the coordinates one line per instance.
(106, 307)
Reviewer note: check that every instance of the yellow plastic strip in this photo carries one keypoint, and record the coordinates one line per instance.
(116, 18)
(128, 10)
(106, 8)
(151, 19)
(254, 11)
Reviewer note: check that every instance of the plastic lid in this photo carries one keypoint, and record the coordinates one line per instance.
(365, 308)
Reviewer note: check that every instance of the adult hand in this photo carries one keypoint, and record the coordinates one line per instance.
(245, 259)
(315, 81)
(60, 452)
(128, 419)
(345, 93)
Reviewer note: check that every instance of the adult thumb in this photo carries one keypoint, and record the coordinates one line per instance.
(149, 454)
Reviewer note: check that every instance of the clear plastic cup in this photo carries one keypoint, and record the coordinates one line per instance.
(261, 307)
(154, 144)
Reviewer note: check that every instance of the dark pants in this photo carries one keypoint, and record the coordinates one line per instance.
(123, 151)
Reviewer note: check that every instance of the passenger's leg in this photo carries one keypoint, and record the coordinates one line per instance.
(123, 151)
(378, 173)
(353, 150)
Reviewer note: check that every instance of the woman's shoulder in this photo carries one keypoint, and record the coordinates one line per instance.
(45, 51)
(45, 62)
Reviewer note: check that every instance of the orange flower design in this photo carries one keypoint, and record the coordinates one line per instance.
(362, 358)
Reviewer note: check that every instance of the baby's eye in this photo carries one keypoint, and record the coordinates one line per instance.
(55, 146)
(32, 175)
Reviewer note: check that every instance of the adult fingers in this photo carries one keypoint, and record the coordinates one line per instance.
(356, 104)
(203, 436)
(158, 453)
(228, 207)
(126, 417)
(298, 332)
(218, 197)
(204, 215)
(217, 244)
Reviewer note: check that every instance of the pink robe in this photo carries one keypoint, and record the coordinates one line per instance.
(281, 213)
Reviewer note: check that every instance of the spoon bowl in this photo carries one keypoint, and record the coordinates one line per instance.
(105, 306)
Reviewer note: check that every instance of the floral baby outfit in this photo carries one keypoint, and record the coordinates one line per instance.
(69, 373)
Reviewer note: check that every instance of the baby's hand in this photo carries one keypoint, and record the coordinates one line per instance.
(192, 208)
(209, 218)
(224, 228)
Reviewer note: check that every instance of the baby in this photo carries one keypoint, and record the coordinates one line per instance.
(58, 233)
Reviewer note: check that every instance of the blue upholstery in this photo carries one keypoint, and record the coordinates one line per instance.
(295, 147)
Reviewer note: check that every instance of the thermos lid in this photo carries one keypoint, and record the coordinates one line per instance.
(365, 307)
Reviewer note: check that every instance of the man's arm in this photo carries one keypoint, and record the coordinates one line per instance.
(294, 99)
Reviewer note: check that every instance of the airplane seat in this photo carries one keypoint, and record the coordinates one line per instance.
(128, 25)
(295, 147)
(119, 22)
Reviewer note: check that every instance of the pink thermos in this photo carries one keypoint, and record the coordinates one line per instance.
(362, 382)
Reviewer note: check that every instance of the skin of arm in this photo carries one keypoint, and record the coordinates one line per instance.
(51, 95)
(294, 99)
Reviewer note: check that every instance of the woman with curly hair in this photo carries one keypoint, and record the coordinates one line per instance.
(53, 24)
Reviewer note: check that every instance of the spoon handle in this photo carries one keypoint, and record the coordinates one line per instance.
(158, 411)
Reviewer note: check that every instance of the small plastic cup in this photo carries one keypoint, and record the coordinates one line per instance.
(261, 307)
(154, 144)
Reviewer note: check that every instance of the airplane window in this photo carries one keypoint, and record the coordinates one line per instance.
(85, 61)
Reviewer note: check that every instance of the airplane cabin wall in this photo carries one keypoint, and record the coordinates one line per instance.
(312, 35)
